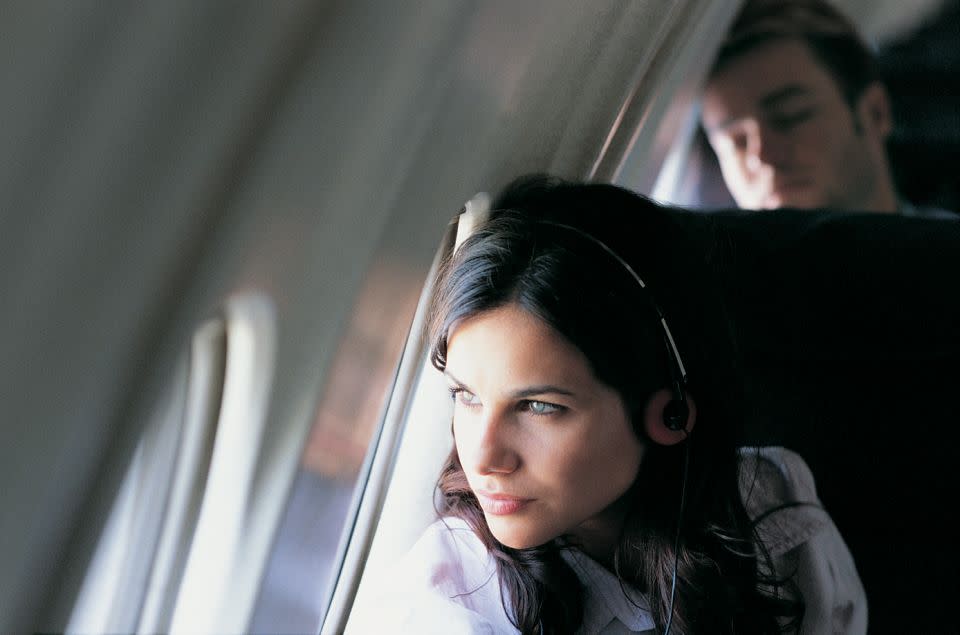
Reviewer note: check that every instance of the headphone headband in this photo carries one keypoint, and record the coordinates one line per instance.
(677, 415)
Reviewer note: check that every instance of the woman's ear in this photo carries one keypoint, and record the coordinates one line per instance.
(655, 425)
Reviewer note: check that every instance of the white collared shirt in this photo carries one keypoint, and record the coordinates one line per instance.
(608, 606)
(447, 583)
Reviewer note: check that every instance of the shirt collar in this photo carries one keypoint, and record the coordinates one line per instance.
(605, 598)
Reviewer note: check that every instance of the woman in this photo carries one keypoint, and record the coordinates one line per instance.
(595, 483)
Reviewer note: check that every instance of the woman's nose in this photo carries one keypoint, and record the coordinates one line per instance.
(496, 451)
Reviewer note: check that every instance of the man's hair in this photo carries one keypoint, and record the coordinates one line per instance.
(831, 37)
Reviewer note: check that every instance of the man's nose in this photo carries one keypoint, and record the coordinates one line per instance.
(766, 146)
(496, 451)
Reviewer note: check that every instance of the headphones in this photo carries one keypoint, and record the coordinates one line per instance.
(676, 412)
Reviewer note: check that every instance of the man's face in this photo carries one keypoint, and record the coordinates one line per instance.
(786, 137)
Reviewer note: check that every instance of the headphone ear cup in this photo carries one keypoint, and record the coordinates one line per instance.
(675, 414)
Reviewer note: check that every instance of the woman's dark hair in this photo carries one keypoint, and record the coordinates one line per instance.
(521, 256)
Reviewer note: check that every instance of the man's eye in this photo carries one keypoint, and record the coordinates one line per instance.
(786, 121)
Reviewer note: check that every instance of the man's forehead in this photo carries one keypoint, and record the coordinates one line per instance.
(764, 77)
(779, 96)
(773, 52)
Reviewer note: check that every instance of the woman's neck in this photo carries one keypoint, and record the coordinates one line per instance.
(598, 536)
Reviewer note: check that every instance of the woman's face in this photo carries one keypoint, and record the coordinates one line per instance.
(546, 447)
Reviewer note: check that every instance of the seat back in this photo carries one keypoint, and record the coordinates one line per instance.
(849, 325)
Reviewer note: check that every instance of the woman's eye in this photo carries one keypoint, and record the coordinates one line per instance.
(542, 407)
(464, 397)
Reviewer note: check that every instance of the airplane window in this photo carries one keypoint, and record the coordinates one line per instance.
(160, 561)
(422, 442)
(310, 542)
(408, 507)
(653, 157)
(696, 181)
(208, 359)
(213, 534)
(143, 543)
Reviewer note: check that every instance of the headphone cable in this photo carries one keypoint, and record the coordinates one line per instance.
(676, 540)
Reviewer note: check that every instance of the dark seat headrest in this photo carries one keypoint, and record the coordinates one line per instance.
(849, 325)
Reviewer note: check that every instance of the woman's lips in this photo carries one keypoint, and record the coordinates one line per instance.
(501, 504)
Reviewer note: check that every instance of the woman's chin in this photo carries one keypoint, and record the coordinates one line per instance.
(515, 537)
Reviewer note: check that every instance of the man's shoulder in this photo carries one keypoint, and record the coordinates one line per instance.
(926, 211)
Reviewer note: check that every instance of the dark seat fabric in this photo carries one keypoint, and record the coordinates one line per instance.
(849, 326)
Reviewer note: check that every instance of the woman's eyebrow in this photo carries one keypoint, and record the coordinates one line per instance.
(540, 390)
(529, 391)
(459, 383)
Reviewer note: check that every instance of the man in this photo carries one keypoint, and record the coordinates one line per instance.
(797, 115)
